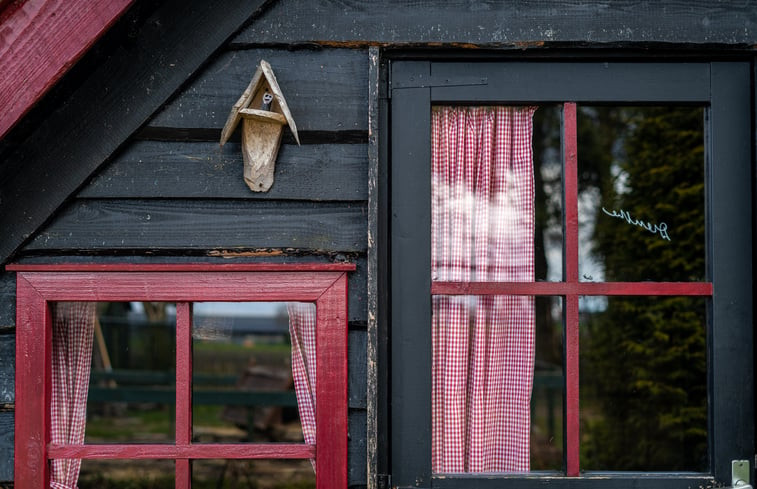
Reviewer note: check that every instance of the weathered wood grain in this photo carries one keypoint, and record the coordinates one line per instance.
(357, 283)
(28, 71)
(204, 225)
(357, 469)
(374, 78)
(7, 354)
(6, 446)
(147, 169)
(356, 280)
(357, 365)
(102, 112)
(491, 22)
(7, 301)
(325, 89)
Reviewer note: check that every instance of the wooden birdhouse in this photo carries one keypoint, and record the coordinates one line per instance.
(264, 113)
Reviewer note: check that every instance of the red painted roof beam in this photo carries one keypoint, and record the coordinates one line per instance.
(39, 41)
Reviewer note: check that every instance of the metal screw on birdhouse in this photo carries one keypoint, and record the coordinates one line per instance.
(267, 99)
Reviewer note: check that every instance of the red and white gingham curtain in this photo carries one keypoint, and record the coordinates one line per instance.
(482, 231)
(73, 330)
(302, 323)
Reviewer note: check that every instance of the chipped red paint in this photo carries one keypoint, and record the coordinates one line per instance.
(37, 285)
(41, 41)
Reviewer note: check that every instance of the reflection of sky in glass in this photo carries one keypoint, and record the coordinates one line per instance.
(238, 309)
(235, 309)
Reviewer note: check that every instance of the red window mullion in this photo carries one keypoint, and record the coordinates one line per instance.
(183, 389)
(570, 175)
(572, 288)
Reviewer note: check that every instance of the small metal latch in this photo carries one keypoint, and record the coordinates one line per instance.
(383, 481)
(740, 474)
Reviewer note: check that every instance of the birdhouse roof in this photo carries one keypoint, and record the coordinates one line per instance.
(263, 75)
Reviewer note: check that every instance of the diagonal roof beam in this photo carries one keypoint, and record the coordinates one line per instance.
(40, 41)
(100, 115)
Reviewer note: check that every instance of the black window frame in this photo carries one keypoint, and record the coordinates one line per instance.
(724, 89)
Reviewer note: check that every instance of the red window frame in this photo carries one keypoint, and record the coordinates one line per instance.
(38, 285)
(571, 289)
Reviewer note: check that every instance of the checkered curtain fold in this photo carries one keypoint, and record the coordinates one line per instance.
(482, 231)
(302, 323)
(73, 330)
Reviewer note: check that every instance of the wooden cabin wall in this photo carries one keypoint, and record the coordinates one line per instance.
(172, 194)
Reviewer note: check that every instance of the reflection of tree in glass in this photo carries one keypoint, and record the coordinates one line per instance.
(643, 359)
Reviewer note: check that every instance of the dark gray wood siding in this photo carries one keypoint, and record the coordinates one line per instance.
(500, 24)
(173, 194)
(170, 194)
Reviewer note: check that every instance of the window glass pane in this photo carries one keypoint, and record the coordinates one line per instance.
(496, 194)
(114, 363)
(548, 205)
(122, 474)
(641, 193)
(485, 365)
(643, 383)
(243, 383)
(258, 474)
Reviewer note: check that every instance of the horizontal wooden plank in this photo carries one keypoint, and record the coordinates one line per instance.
(204, 225)
(356, 391)
(518, 23)
(6, 446)
(7, 301)
(357, 465)
(209, 134)
(149, 169)
(7, 355)
(324, 89)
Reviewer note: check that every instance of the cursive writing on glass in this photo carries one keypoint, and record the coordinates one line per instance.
(661, 229)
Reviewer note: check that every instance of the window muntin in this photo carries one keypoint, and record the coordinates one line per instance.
(38, 286)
